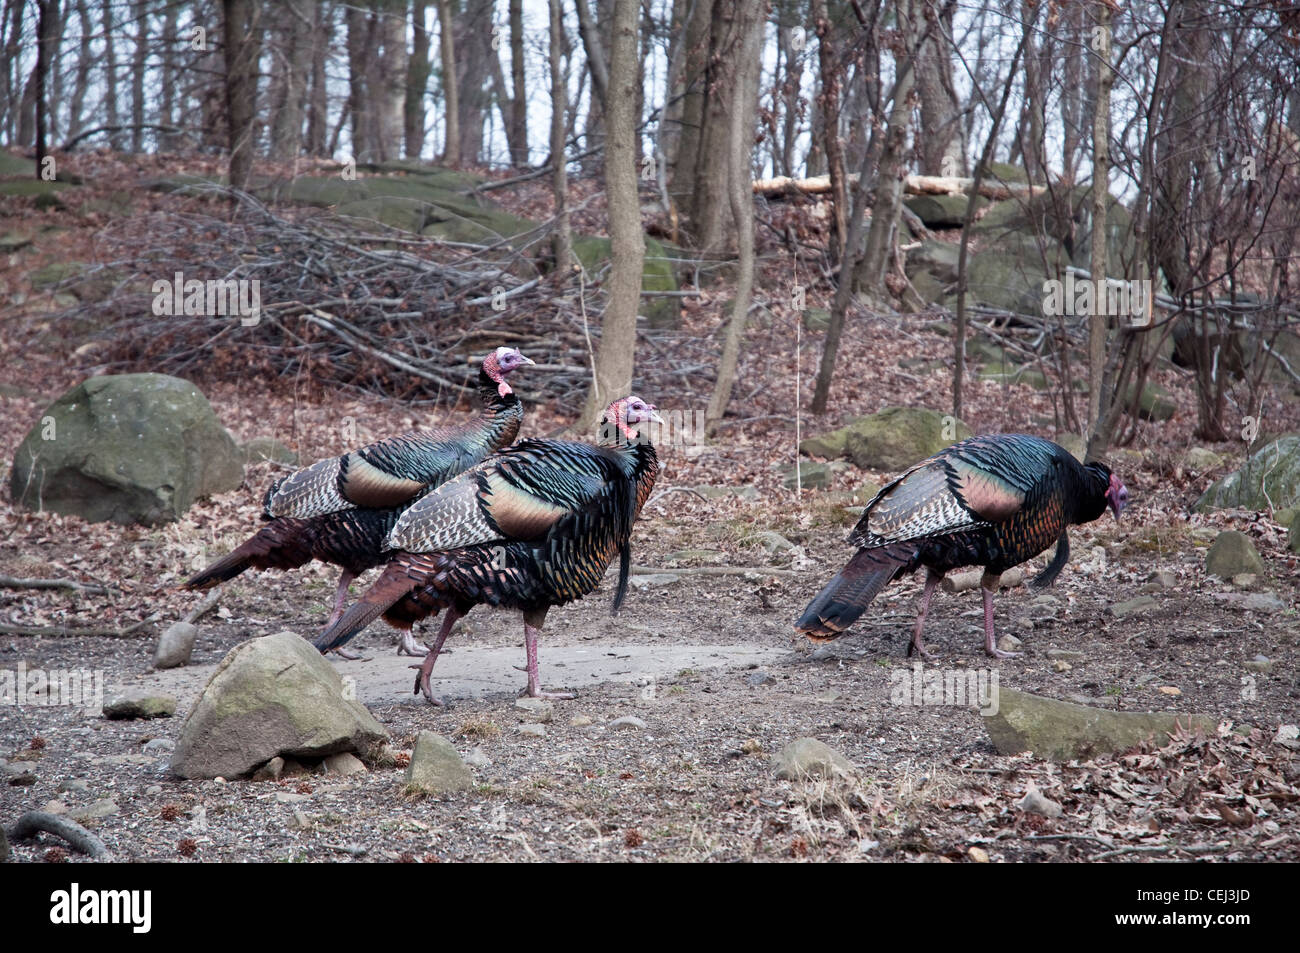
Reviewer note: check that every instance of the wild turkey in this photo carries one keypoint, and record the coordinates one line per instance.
(993, 501)
(533, 527)
(340, 510)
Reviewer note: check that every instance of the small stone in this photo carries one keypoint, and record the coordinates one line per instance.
(101, 808)
(1025, 624)
(1288, 736)
(74, 786)
(435, 766)
(1009, 643)
(176, 645)
(290, 797)
(159, 746)
(755, 679)
(477, 759)
(22, 779)
(1245, 580)
(1263, 602)
(1259, 664)
(808, 757)
(823, 653)
(1060, 666)
(270, 771)
(532, 731)
(1064, 655)
(541, 710)
(1163, 578)
(260, 449)
(773, 542)
(301, 821)
(1202, 460)
(344, 763)
(809, 476)
(752, 746)
(978, 854)
(866, 846)
(1138, 606)
(140, 704)
(55, 807)
(1231, 554)
(1034, 802)
(580, 721)
(627, 723)
(153, 790)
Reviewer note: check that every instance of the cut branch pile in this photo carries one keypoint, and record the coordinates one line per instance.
(342, 302)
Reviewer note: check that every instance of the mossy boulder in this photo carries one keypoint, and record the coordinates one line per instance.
(1293, 534)
(941, 211)
(1155, 403)
(1232, 554)
(657, 274)
(16, 166)
(1063, 731)
(894, 438)
(272, 697)
(1269, 480)
(1013, 374)
(130, 448)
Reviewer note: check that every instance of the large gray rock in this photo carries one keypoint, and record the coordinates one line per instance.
(436, 767)
(269, 697)
(176, 645)
(1062, 731)
(1270, 479)
(139, 703)
(1293, 534)
(942, 211)
(810, 758)
(894, 438)
(131, 448)
(1231, 554)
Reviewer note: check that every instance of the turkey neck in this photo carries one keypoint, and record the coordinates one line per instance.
(1091, 481)
(502, 415)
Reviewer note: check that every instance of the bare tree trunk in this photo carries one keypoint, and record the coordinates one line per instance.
(243, 41)
(451, 98)
(474, 66)
(829, 109)
(318, 99)
(115, 140)
(519, 98)
(614, 358)
(47, 36)
(298, 17)
(563, 242)
(417, 81)
(1097, 324)
(940, 141)
(740, 144)
(138, 60)
(167, 141)
(695, 57)
(870, 272)
(86, 59)
(391, 87)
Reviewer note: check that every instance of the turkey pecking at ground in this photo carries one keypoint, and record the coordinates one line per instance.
(533, 527)
(993, 501)
(340, 510)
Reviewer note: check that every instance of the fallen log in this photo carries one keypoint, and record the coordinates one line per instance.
(912, 185)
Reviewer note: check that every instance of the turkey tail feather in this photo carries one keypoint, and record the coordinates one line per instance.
(395, 583)
(281, 544)
(847, 596)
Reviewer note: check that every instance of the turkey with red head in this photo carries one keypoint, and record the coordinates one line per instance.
(533, 527)
(341, 509)
(994, 501)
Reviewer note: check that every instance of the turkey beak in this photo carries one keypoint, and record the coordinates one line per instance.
(525, 360)
(654, 416)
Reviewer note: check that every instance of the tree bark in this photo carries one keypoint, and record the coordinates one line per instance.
(519, 98)
(47, 36)
(614, 358)
(450, 88)
(243, 40)
(563, 241)
(138, 60)
(749, 27)
(297, 18)
(828, 105)
(389, 98)
(1098, 321)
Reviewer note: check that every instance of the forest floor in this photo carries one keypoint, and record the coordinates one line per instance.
(696, 783)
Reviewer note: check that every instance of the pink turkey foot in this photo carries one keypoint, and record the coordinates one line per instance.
(916, 646)
(534, 689)
(340, 600)
(426, 667)
(990, 639)
(409, 646)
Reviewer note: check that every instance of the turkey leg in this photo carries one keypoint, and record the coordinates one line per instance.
(990, 641)
(340, 598)
(932, 580)
(531, 632)
(426, 667)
